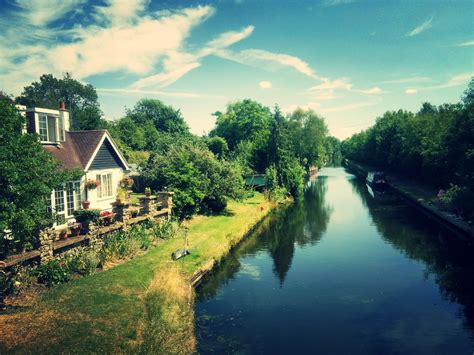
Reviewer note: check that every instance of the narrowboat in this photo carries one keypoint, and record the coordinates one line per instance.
(376, 180)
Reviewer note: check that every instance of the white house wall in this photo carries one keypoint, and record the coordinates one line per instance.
(103, 203)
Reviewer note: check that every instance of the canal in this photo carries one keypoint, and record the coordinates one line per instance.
(342, 272)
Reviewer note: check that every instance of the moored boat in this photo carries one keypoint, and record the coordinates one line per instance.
(376, 180)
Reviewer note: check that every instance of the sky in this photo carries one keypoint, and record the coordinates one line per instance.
(348, 60)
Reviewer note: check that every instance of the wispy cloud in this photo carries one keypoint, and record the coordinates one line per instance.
(349, 107)
(128, 91)
(336, 2)
(411, 79)
(466, 44)
(265, 85)
(421, 28)
(43, 12)
(455, 80)
(327, 89)
(269, 60)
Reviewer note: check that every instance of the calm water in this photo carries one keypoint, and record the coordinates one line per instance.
(342, 273)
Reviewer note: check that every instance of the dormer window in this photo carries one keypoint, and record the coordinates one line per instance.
(50, 128)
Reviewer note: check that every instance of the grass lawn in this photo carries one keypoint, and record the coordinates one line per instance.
(122, 309)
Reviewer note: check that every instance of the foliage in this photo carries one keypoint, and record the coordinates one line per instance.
(162, 117)
(91, 215)
(435, 145)
(200, 182)
(24, 183)
(54, 272)
(218, 146)
(81, 100)
(84, 261)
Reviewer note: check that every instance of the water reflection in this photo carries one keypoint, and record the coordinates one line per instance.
(341, 265)
(446, 256)
(302, 223)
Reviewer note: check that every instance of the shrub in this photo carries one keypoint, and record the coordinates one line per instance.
(22, 278)
(459, 200)
(53, 273)
(84, 262)
(87, 215)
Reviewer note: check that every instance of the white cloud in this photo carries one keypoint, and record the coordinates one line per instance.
(455, 80)
(413, 79)
(372, 91)
(43, 12)
(226, 39)
(270, 60)
(350, 107)
(265, 85)
(466, 44)
(327, 84)
(327, 89)
(421, 28)
(128, 91)
(120, 12)
(309, 106)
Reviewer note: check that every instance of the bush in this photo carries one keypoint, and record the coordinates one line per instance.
(53, 273)
(84, 262)
(82, 216)
(22, 278)
(459, 200)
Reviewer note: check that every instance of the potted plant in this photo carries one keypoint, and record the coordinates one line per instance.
(75, 228)
(85, 217)
(63, 234)
(86, 204)
(106, 217)
(120, 199)
(147, 192)
(92, 184)
(126, 182)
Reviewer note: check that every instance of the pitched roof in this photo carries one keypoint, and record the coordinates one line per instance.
(78, 148)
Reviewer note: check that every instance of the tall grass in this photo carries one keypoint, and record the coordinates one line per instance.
(168, 324)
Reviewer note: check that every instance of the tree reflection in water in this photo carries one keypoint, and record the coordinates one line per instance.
(446, 255)
(303, 222)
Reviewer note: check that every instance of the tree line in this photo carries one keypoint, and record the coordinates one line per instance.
(203, 171)
(434, 145)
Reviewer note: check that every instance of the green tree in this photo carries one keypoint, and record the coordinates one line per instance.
(163, 117)
(28, 174)
(201, 183)
(81, 100)
(218, 146)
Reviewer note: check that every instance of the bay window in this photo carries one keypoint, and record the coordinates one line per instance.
(63, 202)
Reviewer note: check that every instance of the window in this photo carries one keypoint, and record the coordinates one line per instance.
(49, 127)
(105, 187)
(62, 203)
(43, 128)
(73, 197)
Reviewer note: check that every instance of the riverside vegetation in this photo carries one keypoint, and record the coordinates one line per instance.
(434, 146)
(144, 305)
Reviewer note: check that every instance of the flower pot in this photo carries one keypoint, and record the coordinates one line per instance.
(85, 204)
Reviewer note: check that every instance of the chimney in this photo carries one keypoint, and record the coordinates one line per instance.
(64, 115)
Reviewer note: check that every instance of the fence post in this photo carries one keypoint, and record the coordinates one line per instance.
(46, 238)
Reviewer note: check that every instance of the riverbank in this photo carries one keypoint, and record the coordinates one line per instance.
(144, 305)
(421, 195)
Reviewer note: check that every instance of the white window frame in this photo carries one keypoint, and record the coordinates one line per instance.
(64, 195)
(58, 127)
(105, 189)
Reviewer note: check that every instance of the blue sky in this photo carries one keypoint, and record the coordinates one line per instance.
(348, 60)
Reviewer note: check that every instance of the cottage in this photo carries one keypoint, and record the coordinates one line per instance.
(94, 152)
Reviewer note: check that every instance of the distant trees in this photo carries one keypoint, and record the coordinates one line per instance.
(80, 99)
(28, 174)
(436, 144)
